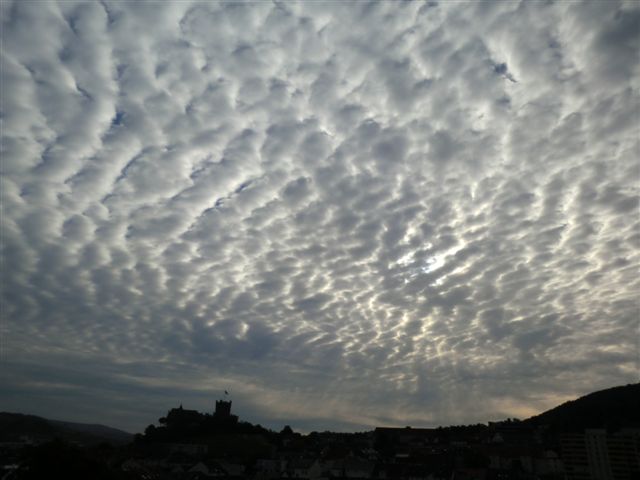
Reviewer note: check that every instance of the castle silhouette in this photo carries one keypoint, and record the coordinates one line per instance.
(182, 417)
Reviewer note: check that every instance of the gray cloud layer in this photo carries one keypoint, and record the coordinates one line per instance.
(348, 214)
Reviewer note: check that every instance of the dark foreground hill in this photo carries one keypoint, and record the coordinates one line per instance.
(612, 408)
(16, 427)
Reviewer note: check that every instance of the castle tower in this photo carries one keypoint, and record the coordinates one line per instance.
(223, 409)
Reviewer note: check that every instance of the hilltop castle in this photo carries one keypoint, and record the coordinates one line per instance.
(223, 412)
(183, 418)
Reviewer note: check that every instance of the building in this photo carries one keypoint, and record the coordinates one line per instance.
(223, 412)
(597, 454)
(223, 408)
(181, 417)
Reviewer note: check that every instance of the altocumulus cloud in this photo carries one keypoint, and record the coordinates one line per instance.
(348, 214)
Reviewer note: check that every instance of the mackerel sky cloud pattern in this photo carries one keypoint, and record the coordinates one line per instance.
(348, 214)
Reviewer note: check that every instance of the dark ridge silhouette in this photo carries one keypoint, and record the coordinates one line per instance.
(16, 426)
(103, 432)
(612, 409)
(60, 459)
(592, 438)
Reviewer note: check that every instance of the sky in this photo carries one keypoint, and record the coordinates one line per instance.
(346, 214)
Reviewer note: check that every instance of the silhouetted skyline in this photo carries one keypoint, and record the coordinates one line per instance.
(594, 437)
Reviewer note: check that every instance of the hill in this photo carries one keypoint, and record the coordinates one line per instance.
(612, 408)
(16, 426)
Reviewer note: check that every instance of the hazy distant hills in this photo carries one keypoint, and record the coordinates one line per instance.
(611, 408)
(15, 427)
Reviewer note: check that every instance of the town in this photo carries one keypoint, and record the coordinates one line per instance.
(189, 445)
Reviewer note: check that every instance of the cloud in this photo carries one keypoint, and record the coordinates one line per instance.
(348, 215)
